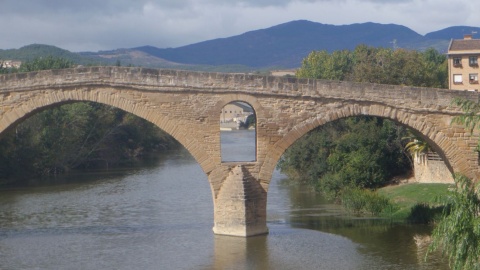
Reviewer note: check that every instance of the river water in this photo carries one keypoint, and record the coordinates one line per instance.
(160, 216)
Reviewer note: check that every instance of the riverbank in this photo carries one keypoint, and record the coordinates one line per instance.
(411, 197)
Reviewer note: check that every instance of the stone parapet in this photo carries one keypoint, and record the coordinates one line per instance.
(187, 105)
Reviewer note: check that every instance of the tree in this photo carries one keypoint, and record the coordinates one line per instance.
(43, 63)
(378, 65)
(360, 152)
(322, 65)
(457, 234)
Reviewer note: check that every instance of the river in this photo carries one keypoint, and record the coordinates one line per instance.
(160, 216)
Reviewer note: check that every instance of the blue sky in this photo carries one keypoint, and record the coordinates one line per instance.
(92, 25)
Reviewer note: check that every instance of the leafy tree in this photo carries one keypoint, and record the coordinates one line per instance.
(43, 63)
(370, 64)
(378, 65)
(322, 65)
(436, 68)
(457, 234)
(354, 152)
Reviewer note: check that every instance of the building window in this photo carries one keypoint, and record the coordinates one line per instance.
(473, 60)
(457, 78)
(457, 62)
(473, 78)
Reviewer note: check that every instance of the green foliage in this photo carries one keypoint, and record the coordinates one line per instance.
(251, 121)
(406, 197)
(77, 136)
(43, 63)
(334, 66)
(378, 65)
(423, 213)
(4, 69)
(362, 152)
(470, 117)
(362, 201)
(74, 136)
(35, 51)
(415, 144)
(457, 234)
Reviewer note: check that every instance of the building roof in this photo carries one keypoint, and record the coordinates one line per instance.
(244, 106)
(464, 45)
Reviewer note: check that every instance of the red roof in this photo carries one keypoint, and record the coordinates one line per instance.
(464, 45)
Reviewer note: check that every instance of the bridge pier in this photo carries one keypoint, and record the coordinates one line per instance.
(240, 207)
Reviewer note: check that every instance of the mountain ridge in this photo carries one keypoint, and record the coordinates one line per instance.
(281, 46)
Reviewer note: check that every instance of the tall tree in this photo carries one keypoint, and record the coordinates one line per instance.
(378, 65)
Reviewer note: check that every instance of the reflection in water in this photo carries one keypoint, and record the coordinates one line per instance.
(392, 242)
(238, 145)
(161, 217)
(241, 253)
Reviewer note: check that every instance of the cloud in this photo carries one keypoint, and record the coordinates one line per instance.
(108, 24)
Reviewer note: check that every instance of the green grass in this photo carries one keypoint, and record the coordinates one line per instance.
(407, 196)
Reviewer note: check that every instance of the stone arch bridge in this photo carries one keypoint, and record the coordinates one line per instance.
(187, 105)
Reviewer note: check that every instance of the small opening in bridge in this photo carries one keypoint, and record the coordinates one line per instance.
(238, 137)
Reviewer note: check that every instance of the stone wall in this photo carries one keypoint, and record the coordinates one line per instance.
(187, 105)
(431, 171)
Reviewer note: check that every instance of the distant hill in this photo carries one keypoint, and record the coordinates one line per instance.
(33, 51)
(286, 44)
(280, 46)
(454, 32)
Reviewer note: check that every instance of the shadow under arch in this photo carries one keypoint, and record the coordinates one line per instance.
(51, 99)
(439, 142)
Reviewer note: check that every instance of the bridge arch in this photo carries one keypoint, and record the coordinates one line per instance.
(222, 106)
(104, 96)
(435, 136)
(186, 105)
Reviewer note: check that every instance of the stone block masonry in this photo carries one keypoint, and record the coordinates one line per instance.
(187, 105)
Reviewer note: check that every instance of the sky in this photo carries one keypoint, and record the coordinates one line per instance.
(93, 25)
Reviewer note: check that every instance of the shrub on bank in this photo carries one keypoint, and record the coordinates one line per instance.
(397, 202)
(364, 201)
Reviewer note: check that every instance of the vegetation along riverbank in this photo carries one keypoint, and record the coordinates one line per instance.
(354, 160)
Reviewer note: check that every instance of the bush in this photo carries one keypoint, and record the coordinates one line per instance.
(365, 201)
(353, 199)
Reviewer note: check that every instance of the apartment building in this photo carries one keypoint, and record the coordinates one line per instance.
(463, 67)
